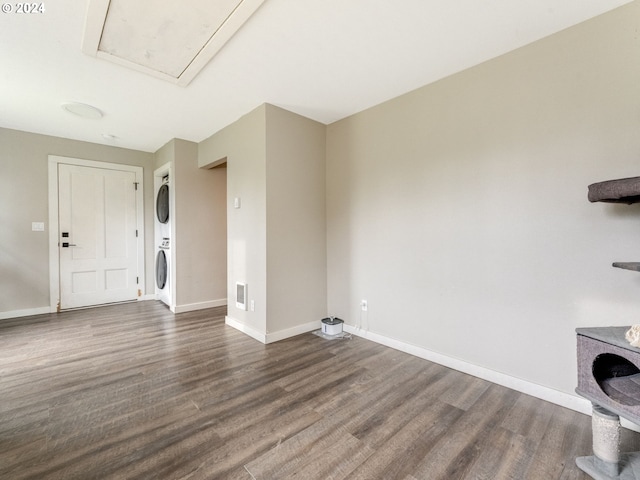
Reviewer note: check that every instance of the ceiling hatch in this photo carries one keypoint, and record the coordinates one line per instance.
(169, 40)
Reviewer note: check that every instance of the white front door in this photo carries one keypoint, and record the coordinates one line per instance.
(97, 235)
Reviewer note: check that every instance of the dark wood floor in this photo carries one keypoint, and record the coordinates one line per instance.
(135, 392)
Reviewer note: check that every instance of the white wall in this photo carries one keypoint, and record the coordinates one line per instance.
(459, 211)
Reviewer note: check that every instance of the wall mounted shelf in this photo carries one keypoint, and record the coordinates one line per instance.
(624, 190)
(635, 266)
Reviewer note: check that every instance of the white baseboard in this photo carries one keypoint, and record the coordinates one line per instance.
(190, 307)
(293, 331)
(26, 313)
(252, 332)
(147, 297)
(273, 336)
(572, 402)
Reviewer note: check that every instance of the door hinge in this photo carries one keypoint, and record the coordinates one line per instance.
(137, 280)
(135, 184)
(136, 233)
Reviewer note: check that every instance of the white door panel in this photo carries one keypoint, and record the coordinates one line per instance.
(97, 208)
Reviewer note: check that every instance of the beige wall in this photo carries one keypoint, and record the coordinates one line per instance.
(276, 239)
(296, 220)
(24, 255)
(243, 145)
(198, 228)
(201, 230)
(163, 156)
(459, 210)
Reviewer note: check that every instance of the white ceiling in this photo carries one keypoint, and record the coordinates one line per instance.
(324, 59)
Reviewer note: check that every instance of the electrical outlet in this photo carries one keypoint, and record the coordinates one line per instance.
(253, 306)
(364, 305)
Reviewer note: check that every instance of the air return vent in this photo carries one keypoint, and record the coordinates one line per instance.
(169, 40)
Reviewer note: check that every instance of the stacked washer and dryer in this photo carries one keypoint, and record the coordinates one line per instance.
(162, 228)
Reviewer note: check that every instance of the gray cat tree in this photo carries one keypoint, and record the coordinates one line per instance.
(609, 369)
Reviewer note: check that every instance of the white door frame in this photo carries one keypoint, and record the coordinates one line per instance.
(158, 173)
(54, 234)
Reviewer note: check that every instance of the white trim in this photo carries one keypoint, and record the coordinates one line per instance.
(224, 33)
(26, 313)
(94, 23)
(54, 265)
(190, 307)
(293, 331)
(54, 259)
(572, 402)
(252, 332)
(273, 336)
(158, 174)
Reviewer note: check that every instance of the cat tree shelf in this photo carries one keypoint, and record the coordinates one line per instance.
(609, 369)
(635, 266)
(623, 190)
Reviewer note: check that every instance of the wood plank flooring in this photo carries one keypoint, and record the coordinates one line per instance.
(135, 392)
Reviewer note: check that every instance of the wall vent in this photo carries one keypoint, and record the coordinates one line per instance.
(241, 295)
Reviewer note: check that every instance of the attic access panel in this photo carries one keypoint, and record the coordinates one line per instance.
(169, 40)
